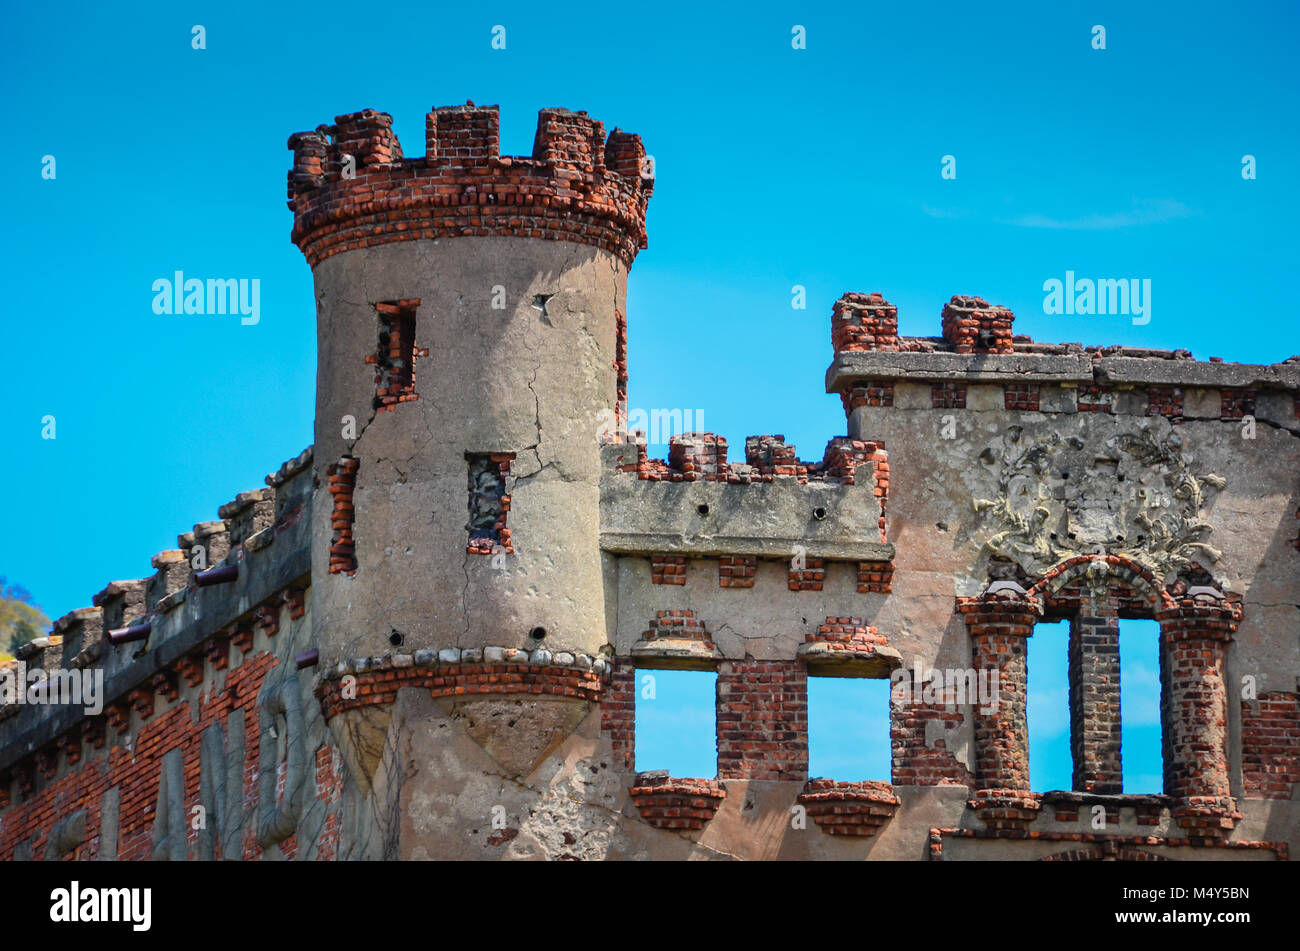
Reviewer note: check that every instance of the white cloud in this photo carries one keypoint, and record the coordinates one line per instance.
(1145, 212)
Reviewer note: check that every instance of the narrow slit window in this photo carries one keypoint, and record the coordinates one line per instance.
(1140, 723)
(1051, 757)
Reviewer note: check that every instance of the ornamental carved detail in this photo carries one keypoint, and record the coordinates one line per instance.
(1137, 494)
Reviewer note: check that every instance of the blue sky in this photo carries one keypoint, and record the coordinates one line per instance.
(775, 167)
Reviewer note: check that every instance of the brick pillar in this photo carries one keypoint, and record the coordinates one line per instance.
(1194, 636)
(618, 713)
(1000, 623)
(1095, 697)
(763, 720)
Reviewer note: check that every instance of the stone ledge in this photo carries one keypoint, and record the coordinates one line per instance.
(645, 544)
(845, 647)
(1005, 809)
(1067, 803)
(850, 367)
(676, 640)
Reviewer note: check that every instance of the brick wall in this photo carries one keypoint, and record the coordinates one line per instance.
(973, 325)
(918, 733)
(762, 720)
(1095, 698)
(1270, 745)
(618, 714)
(132, 763)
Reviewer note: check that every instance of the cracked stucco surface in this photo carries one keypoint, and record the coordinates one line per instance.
(481, 389)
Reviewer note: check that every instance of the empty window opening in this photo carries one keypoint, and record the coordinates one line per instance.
(1140, 724)
(1051, 759)
(676, 722)
(848, 729)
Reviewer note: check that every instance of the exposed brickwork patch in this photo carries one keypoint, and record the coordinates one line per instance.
(919, 728)
(342, 477)
(737, 571)
(620, 369)
(948, 395)
(669, 803)
(1166, 401)
(1020, 396)
(1096, 399)
(668, 569)
(876, 393)
(677, 624)
(489, 506)
(809, 578)
(394, 359)
(1270, 745)
(847, 634)
(1234, 404)
(618, 714)
(857, 809)
(1006, 809)
(875, 577)
(380, 686)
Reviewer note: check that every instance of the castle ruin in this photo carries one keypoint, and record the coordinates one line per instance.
(421, 639)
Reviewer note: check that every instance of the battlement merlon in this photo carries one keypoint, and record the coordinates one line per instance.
(351, 186)
(977, 346)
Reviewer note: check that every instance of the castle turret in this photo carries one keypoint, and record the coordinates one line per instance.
(469, 307)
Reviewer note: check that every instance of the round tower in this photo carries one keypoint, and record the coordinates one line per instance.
(469, 318)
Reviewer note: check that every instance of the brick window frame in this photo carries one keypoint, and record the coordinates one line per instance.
(1130, 592)
(1093, 651)
(846, 647)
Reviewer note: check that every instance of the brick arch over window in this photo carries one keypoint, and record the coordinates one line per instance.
(1110, 570)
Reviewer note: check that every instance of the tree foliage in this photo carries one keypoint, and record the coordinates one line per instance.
(20, 619)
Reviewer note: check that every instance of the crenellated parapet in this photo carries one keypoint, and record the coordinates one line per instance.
(226, 580)
(979, 363)
(351, 186)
